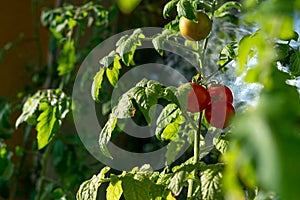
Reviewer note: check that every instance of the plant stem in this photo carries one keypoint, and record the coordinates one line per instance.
(196, 156)
(42, 179)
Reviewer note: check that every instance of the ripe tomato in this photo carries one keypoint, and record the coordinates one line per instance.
(198, 98)
(219, 113)
(195, 30)
(220, 93)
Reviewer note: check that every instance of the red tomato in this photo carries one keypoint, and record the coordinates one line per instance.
(219, 113)
(220, 93)
(198, 98)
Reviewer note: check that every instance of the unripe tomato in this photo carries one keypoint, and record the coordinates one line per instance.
(220, 93)
(195, 30)
(219, 113)
(198, 98)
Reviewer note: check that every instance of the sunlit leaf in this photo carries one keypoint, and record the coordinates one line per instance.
(88, 190)
(48, 124)
(29, 108)
(168, 7)
(105, 135)
(185, 8)
(114, 189)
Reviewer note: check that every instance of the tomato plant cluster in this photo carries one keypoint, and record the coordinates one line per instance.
(216, 101)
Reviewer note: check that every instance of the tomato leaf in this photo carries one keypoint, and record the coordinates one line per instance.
(227, 53)
(88, 190)
(158, 41)
(113, 72)
(29, 108)
(223, 9)
(67, 58)
(168, 7)
(168, 115)
(108, 60)
(185, 9)
(135, 189)
(295, 63)
(53, 108)
(105, 135)
(126, 46)
(97, 84)
(47, 125)
(114, 189)
(147, 96)
(211, 179)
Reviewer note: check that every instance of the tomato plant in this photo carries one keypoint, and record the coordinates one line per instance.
(235, 149)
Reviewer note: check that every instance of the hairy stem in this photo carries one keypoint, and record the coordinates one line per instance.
(196, 156)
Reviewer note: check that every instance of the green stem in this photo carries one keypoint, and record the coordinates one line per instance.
(42, 179)
(196, 157)
(20, 164)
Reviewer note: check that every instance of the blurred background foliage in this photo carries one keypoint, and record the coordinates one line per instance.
(264, 145)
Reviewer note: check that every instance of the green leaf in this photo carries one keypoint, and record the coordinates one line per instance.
(48, 124)
(108, 60)
(227, 53)
(168, 115)
(124, 108)
(113, 73)
(173, 148)
(295, 63)
(211, 183)
(158, 41)
(126, 46)
(6, 166)
(168, 7)
(105, 134)
(114, 189)
(97, 84)
(88, 189)
(223, 9)
(244, 49)
(135, 189)
(147, 96)
(282, 51)
(67, 59)
(185, 8)
(29, 108)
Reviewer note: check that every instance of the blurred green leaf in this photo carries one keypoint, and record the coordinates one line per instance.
(67, 60)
